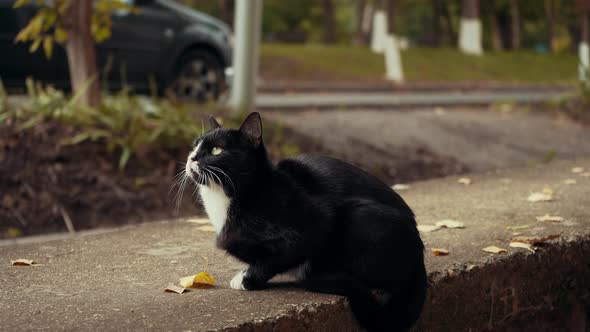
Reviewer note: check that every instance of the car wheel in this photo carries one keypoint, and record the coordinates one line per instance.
(198, 77)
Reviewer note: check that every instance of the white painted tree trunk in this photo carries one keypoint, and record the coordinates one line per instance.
(470, 36)
(584, 65)
(247, 26)
(379, 36)
(393, 59)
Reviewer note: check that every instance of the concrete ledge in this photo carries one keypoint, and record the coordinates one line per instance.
(115, 280)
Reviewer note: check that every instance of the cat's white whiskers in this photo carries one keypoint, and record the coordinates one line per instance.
(231, 182)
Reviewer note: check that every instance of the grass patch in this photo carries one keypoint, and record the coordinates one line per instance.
(320, 62)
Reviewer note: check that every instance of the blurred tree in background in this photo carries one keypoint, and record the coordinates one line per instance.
(540, 25)
(77, 24)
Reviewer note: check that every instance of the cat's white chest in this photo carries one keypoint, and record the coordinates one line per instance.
(216, 205)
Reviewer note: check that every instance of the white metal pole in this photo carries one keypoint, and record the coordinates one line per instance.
(247, 26)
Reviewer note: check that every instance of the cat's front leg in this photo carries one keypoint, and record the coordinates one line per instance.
(252, 278)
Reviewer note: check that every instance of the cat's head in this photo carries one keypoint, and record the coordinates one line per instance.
(228, 157)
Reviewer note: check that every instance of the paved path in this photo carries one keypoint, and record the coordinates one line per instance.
(479, 139)
(407, 99)
(115, 281)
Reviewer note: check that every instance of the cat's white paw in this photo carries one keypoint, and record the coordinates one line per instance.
(237, 281)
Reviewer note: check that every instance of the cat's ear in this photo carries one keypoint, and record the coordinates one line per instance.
(213, 123)
(252, 127)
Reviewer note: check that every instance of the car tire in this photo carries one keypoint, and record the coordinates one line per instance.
(198, 77)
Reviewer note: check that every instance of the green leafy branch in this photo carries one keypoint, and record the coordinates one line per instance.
(51, 25)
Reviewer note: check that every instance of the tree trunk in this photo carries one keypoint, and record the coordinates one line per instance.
(393, 59)
(496, 32)
(81, 54)
(449, 23)
(359, 16)
(584, 29)
(470, 33)
(550, 13)
(470, 9)
(390, 10)
(226, 7)
(437, 32)
(584, 48)
(329, 27)
(514, 25)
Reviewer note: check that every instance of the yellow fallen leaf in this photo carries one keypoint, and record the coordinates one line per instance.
(400, 186)
(465, 181)
(206, 228)
(200, 280)
(440, 252)
(540, 197)
(449, 223)
(522, 245)
(23, 262)
(187, 282)
(201, 221)
(532, 240)
(439, 111)
(515, 228)
(174, 289)
(204, 278)
(570, 181)
(494, 250)
(577, 169)
(550, 218)
(427, 228)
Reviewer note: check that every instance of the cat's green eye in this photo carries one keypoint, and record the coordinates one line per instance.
(216, 150)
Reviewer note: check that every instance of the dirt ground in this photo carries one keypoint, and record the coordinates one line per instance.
(43, 183)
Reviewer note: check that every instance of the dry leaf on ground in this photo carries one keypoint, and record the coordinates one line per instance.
(439, 111)
(540, 197)
(400, 186)
(23, 262)
(427, 228)
(532, 240)
(522, 245)
(465, 181)
(494, 250)
(206, 228)
(577, 169)
(175, 289)
(550, 218)
(200, 280)
(201, 221)
(515, 228)
(440, 252)
(570, 181)
(449, 223)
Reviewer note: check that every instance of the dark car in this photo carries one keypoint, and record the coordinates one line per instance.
(184, 51)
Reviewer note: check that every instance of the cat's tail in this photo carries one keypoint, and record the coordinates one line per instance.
(390, 311)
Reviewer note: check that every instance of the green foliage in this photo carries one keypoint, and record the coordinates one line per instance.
(128, 125)
(50, 24)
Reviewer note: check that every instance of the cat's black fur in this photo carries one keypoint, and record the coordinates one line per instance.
(353, 235)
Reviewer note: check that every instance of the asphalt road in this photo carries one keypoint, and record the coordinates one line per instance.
(404, 99)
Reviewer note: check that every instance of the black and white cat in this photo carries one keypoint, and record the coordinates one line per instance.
(340, 229)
